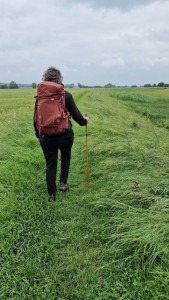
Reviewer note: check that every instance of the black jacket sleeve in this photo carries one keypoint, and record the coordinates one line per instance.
(73, 110)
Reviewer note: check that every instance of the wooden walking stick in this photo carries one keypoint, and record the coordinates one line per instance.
(87, 160)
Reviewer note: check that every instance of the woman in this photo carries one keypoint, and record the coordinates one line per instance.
(63, 141)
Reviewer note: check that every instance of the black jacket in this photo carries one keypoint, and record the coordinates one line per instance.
(73, 111)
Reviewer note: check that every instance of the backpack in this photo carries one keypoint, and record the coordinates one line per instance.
(50, 114)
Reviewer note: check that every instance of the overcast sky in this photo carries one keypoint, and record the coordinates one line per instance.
(123, 42)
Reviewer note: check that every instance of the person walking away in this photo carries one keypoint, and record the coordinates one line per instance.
(62, 140)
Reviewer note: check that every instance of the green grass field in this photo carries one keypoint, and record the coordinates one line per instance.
(106, 242)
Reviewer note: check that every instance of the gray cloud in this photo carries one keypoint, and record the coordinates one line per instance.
(121, 4)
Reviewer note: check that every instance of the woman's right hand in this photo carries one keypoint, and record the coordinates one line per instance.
(87, 119)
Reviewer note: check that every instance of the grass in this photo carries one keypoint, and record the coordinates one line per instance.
(108, 242)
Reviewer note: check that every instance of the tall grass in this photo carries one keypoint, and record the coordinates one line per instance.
(109, 241)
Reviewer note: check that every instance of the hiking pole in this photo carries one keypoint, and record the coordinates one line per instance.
(87, 160)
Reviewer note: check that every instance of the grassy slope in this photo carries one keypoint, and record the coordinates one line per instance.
(106, 242)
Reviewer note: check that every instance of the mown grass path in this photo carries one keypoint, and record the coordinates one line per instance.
(106, 242)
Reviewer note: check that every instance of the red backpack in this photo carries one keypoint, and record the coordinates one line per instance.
(50, 114)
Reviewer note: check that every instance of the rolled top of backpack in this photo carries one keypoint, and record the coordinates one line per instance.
(49, 88)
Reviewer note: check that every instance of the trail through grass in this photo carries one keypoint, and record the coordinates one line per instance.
(108, 242)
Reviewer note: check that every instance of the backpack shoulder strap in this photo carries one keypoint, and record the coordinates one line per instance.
(36, 102)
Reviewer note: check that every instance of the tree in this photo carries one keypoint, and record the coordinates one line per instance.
(80, 85)
(147, 85)
(109, 85)
(13, 85)
(34, 85)
(3, 86)
(69, 85)
(161, 84)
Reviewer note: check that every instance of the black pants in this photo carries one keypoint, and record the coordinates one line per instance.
(50, 146)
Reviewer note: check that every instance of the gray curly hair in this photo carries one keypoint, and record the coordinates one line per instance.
(52, 74)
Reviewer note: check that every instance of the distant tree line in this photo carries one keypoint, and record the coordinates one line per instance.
(110, 85)
(70, 85)
(14, 85)
(160, 84)
(11, 85)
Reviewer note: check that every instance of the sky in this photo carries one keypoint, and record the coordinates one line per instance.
(92, 42)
